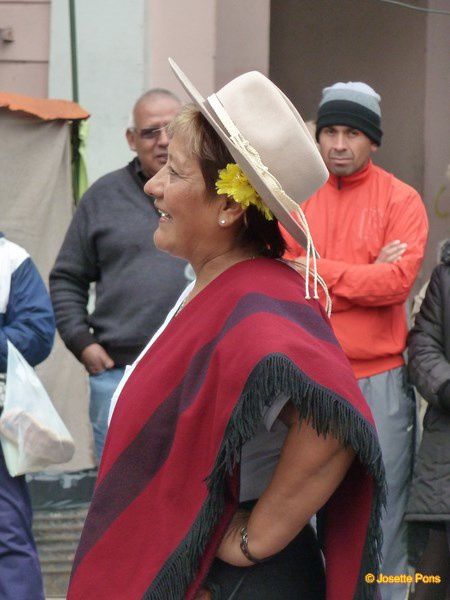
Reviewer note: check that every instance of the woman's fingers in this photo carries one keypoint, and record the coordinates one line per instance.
(203, 594)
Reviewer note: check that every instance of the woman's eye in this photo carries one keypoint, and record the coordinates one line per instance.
(172, 172)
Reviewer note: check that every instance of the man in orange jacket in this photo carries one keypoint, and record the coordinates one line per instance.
(370, 230)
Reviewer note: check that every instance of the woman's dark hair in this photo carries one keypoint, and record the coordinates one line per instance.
(204, 143)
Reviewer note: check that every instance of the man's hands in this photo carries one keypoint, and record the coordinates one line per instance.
(391, 252)
(96, 360)
(388, 254)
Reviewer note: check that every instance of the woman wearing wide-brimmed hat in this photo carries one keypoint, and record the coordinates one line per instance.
(241, 419)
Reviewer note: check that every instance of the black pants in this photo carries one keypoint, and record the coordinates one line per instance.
(295, 573)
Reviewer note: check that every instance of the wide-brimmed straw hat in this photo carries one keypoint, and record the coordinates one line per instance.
(268, 140)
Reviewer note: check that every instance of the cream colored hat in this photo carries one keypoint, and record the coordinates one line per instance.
(272, 145)
(269, 141)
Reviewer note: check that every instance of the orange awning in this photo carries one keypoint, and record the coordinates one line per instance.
(45, 109)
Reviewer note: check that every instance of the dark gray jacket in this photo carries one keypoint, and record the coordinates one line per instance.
(429, 370)
(110, 242)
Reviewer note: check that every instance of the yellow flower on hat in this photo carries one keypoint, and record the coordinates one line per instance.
(234, 183)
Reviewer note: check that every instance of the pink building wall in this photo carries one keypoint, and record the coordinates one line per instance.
(24, 61)
(211, 40)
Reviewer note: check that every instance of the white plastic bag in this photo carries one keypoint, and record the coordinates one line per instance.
(32, 434)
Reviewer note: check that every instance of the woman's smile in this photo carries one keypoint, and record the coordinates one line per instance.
(164, 217)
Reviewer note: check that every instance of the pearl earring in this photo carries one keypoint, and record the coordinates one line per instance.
(222, 221)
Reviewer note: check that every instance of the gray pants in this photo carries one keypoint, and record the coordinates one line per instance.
(393, 408)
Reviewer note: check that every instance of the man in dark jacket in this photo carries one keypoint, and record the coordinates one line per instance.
(110, 242)
(429, 370)
(26, 320)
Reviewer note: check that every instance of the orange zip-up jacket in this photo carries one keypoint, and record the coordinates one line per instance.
(351, 219)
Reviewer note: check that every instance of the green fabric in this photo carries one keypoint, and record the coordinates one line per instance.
(80, 181)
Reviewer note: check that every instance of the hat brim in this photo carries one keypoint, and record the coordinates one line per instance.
(282, 211)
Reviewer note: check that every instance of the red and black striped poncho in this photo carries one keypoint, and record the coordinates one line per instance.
(166, 486)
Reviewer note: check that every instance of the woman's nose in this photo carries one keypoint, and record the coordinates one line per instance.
(155, 185)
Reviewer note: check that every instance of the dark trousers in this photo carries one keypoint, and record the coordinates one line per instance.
(20, 573)
(295, 573)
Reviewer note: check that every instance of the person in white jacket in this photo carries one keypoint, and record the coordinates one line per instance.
(26, 320)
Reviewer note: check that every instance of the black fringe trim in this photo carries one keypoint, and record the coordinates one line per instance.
(328, 413)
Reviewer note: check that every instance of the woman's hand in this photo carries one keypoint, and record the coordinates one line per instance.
(203, 594)
(230, 548)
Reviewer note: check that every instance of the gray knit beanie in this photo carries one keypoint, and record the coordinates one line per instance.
(354, 104)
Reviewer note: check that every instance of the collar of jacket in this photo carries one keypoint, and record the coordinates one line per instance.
(135, 169)
(445, 253)
(353, 180)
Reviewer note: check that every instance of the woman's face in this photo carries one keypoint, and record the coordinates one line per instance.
(188, 225)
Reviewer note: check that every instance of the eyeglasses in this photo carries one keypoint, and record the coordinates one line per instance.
(149, 133)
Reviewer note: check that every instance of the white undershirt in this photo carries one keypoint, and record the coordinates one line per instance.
(130, 368)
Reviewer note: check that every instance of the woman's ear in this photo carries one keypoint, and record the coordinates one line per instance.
(230, 211)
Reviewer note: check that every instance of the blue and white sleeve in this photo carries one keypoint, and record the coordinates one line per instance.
(29, 322)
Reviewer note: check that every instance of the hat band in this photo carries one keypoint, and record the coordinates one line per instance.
(252, 155)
